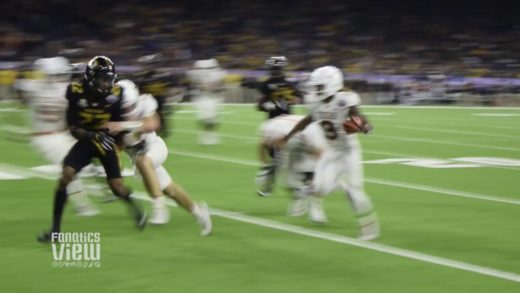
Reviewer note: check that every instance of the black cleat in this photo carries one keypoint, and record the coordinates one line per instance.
(44, 237)
(141, 220)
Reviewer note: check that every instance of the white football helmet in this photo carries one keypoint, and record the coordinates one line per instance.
(54, 68)
(325, 82)
(206, 64)
(131, 100)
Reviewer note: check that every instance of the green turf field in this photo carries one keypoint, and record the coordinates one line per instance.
(449, 217)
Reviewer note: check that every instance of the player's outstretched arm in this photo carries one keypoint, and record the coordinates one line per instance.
(297, 128)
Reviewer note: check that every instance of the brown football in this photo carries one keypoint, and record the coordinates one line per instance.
(353, 125)
(350, 127)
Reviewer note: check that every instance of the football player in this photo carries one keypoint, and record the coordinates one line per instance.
(278, 93)
(151, 81)
(298, 158)
(149, 152)
(91, 104)
(206, 81)
(340, 163)
(50, 136)
(277, 96)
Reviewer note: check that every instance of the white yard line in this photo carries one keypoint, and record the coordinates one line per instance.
(410, 254)
(240, 137)
(386, 107)
(401, 155)
(406, 185)
(450, 124)
(378, 135)
(431, 141)
(444, 191)
(480, 134)
(253, 139)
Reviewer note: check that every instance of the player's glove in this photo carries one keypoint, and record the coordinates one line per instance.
(269, 106)
(106, 141)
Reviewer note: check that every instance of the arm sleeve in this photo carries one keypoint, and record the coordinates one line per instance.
(72, 109)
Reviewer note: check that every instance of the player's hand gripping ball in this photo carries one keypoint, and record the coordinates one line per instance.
(356, 124)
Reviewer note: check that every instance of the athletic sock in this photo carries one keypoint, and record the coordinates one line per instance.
(60, 198)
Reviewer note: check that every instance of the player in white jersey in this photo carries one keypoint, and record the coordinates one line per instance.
(207, 79)
(149, 152)
(340, 163)
(50, 135)
(297, 160)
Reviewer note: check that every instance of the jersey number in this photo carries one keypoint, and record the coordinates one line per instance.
(283, 92)
(329, 129)
(96, 119)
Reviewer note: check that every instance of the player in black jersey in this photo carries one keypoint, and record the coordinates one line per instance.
(92, 103)
(158, 84)
(278, 93)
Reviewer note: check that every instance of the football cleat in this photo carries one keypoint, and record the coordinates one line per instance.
(369, 227)
(45, 237)
(160, 213)
(141, 220)
(204, 219)
(265, 180)
(298, 207)
(316, 212)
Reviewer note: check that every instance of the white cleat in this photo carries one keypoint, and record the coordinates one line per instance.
(369, 231)
(316, 212)
(298, 207)
(87, 211)
(160, 213)
(204, 219)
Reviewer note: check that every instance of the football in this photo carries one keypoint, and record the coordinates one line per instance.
(354, 125)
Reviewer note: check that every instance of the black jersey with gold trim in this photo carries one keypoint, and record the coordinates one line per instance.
(89, 109)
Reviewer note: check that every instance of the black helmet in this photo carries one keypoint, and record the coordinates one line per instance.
(101, 74)
(276, 61)
(276, 65)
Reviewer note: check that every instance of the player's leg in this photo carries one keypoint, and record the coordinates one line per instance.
(160, 212)
(361, 203)
(198, 209)
(54, 147)
(147, 163)
(78, 157)
(300, 184)
(265, 175)
(324, 183)
(207, 109)
(112, 165)
(300, 165)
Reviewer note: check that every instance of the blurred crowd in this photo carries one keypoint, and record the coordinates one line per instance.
(357, 36)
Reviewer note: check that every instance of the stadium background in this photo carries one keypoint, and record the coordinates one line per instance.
(444, 229)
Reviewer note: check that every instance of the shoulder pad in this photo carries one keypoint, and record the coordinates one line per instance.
(349, 98)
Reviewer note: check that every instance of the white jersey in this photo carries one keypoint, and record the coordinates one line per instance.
(330, 116)
(207, 82)
(147, 107)
(154, 147)
(278, 127)
(298, 152)
(48, 104)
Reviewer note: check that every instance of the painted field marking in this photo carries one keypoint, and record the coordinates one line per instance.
(406, 185)
(405, 253)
